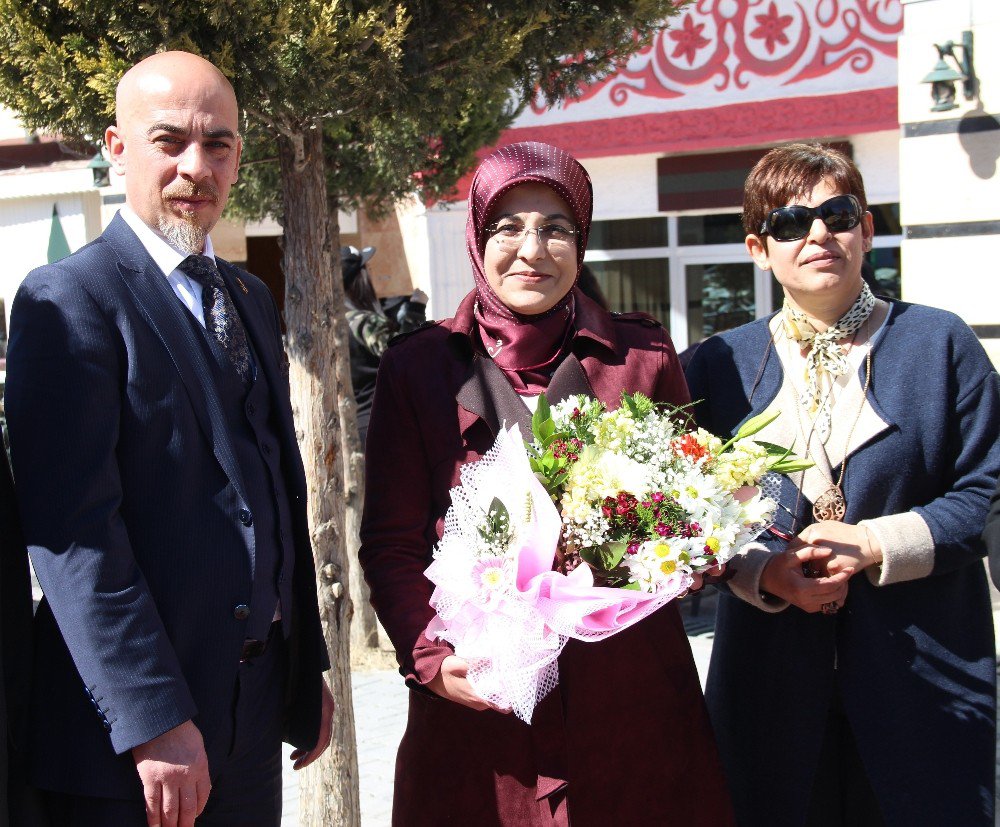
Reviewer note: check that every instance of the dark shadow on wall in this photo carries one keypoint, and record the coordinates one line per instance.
(979, 136)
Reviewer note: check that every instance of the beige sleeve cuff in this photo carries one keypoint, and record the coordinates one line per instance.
(907, 548)
(745, 582)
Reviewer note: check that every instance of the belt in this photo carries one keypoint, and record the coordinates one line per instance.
(255, 648)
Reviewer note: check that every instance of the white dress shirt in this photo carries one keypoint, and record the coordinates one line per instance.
(167, 258)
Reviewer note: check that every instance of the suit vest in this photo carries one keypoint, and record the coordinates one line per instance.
(253, 431)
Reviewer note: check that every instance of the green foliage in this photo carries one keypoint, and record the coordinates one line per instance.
(606, 558)
(639, 405)
(405, 92)
(495, 529)
(782, 460)
(552, 452)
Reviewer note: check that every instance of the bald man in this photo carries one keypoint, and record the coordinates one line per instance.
(163, 495)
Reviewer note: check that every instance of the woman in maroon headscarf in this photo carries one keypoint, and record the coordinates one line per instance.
(624, 738)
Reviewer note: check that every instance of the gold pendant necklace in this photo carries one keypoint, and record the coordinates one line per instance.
(830, 505)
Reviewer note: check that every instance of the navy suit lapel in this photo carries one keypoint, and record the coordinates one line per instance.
(259, 332)
(163, 310)
(270, 358)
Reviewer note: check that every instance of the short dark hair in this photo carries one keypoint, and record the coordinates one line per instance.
(792, 171)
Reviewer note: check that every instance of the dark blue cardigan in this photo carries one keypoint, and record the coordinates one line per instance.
(914, 661)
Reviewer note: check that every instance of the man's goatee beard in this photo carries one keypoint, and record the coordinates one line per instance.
(187, 237)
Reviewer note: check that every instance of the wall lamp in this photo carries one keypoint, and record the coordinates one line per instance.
(943, 77)
(101, 170)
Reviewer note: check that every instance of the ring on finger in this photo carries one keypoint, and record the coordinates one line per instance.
(830, 608)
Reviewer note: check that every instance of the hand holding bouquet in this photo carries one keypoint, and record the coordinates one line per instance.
(604, 517)
(645, 503)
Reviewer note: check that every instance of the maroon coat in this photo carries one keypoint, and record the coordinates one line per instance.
(625, 738)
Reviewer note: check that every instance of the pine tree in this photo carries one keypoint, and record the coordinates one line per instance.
(345, 103)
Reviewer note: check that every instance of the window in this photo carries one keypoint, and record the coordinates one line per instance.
(720, 297)
(722, 228)
(635, 285)
(629, 233)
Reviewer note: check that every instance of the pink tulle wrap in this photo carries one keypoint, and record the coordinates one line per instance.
(511, 626)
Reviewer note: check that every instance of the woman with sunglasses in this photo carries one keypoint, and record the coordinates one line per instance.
(853, 674)
(624, 738)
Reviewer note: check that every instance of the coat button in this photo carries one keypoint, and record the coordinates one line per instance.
(242, 611)
(246, 517)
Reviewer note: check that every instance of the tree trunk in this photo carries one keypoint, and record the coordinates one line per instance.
(364, 626)
(316, 344)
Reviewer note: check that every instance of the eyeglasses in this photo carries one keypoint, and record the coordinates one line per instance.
(840, 213)
(510, 235)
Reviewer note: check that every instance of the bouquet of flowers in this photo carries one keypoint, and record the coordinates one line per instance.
(602, 518)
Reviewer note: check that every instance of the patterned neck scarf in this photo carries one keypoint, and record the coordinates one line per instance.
(525, 348)
(826, 359)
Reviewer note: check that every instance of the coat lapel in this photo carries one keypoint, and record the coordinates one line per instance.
(487, 395)
(165, 315)
(569, 380)
(873, 421)
(260, 335)
(787, 430)
(271, 361)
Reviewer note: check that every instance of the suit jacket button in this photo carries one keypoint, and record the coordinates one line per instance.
(107, 726)
(242, 611)
(246, 517)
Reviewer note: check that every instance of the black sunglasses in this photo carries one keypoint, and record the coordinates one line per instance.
(840, 213)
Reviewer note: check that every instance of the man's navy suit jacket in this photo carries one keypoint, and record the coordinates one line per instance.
(131, 500)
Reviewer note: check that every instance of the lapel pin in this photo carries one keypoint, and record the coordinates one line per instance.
(243, 287)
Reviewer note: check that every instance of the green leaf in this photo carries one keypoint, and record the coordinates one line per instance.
(592, 556)
(497, 524)
(632, 587)
(630, 403)
(755, 424)
(638, 404)
(773, 449)
(612, 553)
(498, 509)
(790, 466)
(547, 431)
(543, 413)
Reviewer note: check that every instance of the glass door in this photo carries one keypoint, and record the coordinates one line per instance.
(720, 292)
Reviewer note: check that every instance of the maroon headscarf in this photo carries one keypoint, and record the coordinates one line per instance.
(528, 345)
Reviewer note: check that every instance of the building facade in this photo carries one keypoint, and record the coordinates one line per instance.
(668, 141)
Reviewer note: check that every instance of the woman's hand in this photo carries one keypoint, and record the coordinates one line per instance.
(851, 546)
(706, 578)
(785, 576)
(452, 684)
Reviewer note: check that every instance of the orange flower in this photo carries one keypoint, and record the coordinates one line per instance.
(687, 445)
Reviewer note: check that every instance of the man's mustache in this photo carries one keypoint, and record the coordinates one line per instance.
(186, 191)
